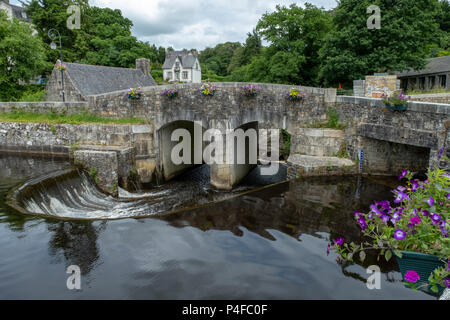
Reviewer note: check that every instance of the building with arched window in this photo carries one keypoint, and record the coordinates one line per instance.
(182, 66)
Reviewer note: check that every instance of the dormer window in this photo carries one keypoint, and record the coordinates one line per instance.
(177, 64)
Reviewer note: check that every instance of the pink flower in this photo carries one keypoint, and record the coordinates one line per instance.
(412, 276)
(415, 220)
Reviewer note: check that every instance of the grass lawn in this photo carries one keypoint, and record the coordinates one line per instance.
(53, 118)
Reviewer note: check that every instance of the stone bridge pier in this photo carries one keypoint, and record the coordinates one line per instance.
(230, 153)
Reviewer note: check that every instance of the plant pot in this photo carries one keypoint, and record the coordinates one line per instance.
(397, 107)
(423, 264)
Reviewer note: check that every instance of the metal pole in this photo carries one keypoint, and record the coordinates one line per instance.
(52, 35)
(62, 71)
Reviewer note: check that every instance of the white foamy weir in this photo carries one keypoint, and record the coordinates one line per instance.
(445, 295)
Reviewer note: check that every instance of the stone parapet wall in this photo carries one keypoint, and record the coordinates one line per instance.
(44, 107)
(435, 98)
(271, 108)
(62, 138)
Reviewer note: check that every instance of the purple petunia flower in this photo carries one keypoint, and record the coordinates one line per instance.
(444, 232)
(358, 214)
(425, 213)
(403, 174)
(396, 216)
(400, 196)
(385, 218)
(415, 220)
(384, 204)
(375, 209)
(362, 223)
(435, 218)
(412, 276)
(414, 185)
(430, 201)
(339, 241)
(447, 282)
(399, 234)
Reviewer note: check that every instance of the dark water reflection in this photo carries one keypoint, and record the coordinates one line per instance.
(268, 244)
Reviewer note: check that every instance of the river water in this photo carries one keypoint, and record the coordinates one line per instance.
(269, 243)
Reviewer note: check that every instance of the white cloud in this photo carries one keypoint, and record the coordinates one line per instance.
(196, 23)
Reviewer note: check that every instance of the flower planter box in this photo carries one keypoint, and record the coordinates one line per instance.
(423, 264)
(397, 107)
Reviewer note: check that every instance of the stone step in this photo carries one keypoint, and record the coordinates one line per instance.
(303, 165)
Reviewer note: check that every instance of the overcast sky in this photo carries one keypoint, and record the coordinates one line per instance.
(195, 23)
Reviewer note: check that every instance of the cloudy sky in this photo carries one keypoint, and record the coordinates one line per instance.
(196, 23)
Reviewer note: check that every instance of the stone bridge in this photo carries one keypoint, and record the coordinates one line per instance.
(390, 141)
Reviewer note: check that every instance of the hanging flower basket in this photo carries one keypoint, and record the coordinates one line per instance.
(61, 67)
(295, 95)
(169, 93)
(395, 102)
(420, 266)
(134, 94)
(207, 90)
(251, 90)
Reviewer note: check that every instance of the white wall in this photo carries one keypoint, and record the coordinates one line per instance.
(193, 75)
(8, 9)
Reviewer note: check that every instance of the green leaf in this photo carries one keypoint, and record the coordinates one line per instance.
(434, 289)
(388, 255)
(398, 253)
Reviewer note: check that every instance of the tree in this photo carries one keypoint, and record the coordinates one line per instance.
(295, 35)
(104, 38)
(243, 55)
(352, 50)
(218, 59)
(22, 55)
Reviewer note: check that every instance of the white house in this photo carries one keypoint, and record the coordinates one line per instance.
(14, 11)
(182, 66)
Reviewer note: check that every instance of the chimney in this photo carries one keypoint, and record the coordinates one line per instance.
(143, 65)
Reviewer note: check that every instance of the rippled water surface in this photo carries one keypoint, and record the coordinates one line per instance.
(266, 244)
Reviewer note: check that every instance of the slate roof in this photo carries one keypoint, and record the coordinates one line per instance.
(186, 57)
(435, 65)
(93, 80)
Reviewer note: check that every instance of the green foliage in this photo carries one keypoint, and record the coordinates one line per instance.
(22, 56)
(54, 118)
(352, 50)
(104, 38)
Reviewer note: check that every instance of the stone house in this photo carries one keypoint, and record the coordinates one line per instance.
(436, 75)
(82, 80)
(182, 66)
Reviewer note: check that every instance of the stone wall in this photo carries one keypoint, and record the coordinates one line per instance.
(436, 98)
(54, 87)
(271, 108)
(394, 139)
(44, 107)
(317, 142)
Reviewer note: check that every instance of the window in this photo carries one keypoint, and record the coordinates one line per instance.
(443, 81)
(169, 75)
(422, 83)
(177, 64)
(431, 83)
(185, 75)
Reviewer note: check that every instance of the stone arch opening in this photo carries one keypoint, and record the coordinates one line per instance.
(173, 159)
